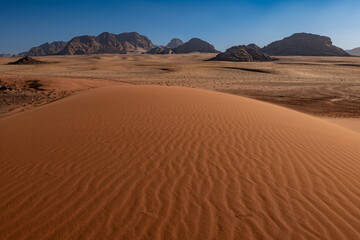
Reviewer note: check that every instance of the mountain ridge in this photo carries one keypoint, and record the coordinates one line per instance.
(107, 43)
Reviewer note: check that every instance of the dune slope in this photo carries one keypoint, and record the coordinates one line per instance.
(145, 162)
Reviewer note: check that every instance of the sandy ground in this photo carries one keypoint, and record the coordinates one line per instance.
(121, 161)
(149, 162)
(322, 86)
(352, 124)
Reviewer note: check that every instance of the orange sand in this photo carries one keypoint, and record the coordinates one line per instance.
(146, 162)
(352, 124)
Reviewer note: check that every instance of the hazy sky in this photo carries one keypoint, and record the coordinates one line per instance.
(24, 24)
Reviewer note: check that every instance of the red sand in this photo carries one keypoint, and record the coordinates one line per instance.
(137, 162)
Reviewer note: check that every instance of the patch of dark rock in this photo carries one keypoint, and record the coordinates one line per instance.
(167, 69)
(348, 65)
(34, 84)
(249, 69)
(26, 61)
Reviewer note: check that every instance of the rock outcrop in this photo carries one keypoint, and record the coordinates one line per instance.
(107, 43)
(354, 52)
(26, 61)
(304, 44)
(242, 54)
(160, 50)
(174, 43)
(195, 45)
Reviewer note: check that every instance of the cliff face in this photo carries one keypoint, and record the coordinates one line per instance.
(304, 44)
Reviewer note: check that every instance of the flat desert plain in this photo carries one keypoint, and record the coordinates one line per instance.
(155, 147)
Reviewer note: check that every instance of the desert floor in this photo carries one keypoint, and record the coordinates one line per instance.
(113, 156)
(323, 86)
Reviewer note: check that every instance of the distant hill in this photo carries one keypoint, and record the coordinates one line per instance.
(45, 49)
(107, 43)
(195, 45)
(242, 54)
(304, 44)
(5, 55)
(355, 51)
(174, 43)
(116, 43)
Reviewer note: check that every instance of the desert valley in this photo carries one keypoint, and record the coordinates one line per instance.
(112, 137)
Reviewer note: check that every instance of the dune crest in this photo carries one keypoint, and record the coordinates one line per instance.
(146, 162)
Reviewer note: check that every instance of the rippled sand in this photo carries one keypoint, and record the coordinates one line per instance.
(149, 162)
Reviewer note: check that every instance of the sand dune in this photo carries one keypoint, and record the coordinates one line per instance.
(352, 124)
(146, 162)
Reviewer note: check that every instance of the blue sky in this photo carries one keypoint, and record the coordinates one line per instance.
(24, 24)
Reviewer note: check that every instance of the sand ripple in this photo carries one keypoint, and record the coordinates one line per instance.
(137, 162)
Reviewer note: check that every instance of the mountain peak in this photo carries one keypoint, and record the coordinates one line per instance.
(174, 43)
(195, 45)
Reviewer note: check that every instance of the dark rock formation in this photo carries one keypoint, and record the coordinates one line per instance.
(26, 61)
(160, 50)
(195, 45)
(242, 54)
(354, 52)
(304, 44)
(174, 43)
(45, 49)
(107, 43)
(254, 46)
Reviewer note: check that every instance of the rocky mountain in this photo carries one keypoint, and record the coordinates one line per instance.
(174, 43)
(195, 45)
(107, 43)
(160, 50)
(242, 54)
(355, 51)
(134, 41)
(45, 49)
(304, 44)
